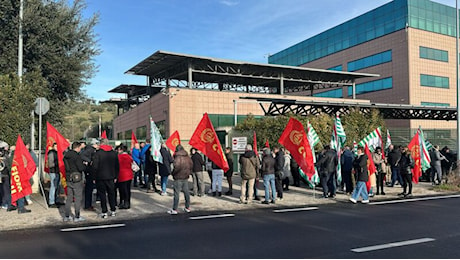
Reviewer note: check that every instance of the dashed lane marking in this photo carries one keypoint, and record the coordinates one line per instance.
(294, 210)
(390, 245)
(414, 199)
(212, 216)
(92, 227)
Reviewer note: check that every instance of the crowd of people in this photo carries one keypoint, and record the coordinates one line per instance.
(98, 171)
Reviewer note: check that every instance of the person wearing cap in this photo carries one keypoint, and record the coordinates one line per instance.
(183, 167)
(87, 155)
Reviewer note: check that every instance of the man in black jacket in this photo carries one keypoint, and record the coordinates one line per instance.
(362, 176)
(279, 171)
(394, 156)
(327, 168)
(106, 167)
(87, 155)
(74, 168)
(197, 173)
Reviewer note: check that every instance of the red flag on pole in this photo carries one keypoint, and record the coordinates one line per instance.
(414, 147)
(295, 140)
(370, 166)
(53, 136)
(22, 169)
(254, 147)
(173, 141)
(133, 140)
(205, 139)
(104, 135)
(267, 144)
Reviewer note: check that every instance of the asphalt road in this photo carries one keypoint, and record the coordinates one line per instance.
(328, 231)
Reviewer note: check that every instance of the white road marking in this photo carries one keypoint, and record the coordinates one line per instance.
(414, 199)
(390, 245)
(212, 216)
(293, 210)
(91, 227)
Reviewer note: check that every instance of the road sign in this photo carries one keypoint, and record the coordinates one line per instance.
(239, 143)
(42, 106)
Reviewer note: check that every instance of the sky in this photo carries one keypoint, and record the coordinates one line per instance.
(242, 30)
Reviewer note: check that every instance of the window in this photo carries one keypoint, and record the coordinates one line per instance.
(370, 61)
(338, 68)
(435, 104)
(371, 86)
(433, 54)
(335, 93)
(434, 81)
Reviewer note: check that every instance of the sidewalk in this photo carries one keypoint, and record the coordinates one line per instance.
(144, 204)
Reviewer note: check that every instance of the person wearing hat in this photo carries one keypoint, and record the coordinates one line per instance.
(87, 155)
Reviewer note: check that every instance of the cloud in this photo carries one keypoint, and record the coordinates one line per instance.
(229, 2)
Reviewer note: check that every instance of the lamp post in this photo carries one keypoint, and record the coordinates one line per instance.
(456, 72)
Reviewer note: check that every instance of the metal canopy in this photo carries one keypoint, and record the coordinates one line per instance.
(181, 70)
(388, 111)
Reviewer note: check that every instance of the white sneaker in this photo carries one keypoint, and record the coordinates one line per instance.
(113, 214)
(29, 202)
(164, 194)
(172, 212)
(365, 201)
(79, 219)
(67, 219)
(187, 210)
(103, 215)
(353, 200)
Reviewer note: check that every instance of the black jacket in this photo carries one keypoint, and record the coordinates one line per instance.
(72, 163)
(360, 165)
(87, 155)
(393, 157)
(105, 164)
(406, 164)
(268, 165)
(279, 161)
(198, 162)
(328, 162)
(53, 161)
(150, 164)
(165, 167)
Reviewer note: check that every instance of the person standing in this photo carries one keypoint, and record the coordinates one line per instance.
(447, 163)
(362, 176)
(87, 155)
(436, 158)
(287, 170)
(229, 172)
(249, 167)
(74, 168)
(217, 175)
(295, 172)
(197, 172)
(394, 156)
(406, 164)
(55, 177)
(327, 168)
(150, 169)
(279, 171)
(183, 166)
(379, 163)
(106, 168)
(346, 161)
(125, 176)
(165, 168)
(268, 174)
(136, 154)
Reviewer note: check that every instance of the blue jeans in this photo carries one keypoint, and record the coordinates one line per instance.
(396, 176)
(360, 190)
(54, 185)
(164, 183)
(217, 176)
(269, 181)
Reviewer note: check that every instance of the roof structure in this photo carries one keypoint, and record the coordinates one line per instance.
(388, 111)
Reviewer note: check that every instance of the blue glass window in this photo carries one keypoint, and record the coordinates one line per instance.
(434, 81)
(369, 61)
(371, 86)
(338, 68)
(435, 104)
(335, 93)
(434, 54)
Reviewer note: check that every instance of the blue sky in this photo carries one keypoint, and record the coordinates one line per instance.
(248, 30)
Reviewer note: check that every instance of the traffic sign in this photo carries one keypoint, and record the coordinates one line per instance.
(42, 106)
(239, 143)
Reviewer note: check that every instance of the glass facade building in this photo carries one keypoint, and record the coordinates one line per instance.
(386, 19)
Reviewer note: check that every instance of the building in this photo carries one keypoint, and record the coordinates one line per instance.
(411, 44)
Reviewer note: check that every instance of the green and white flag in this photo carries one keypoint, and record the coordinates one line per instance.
(337, 142)
(313, 139)
(388, 143)
(424, 155)
(373, 140)
(355, 148)
(155, 141)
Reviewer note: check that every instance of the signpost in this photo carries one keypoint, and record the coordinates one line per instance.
(239, 144)
(42, 106)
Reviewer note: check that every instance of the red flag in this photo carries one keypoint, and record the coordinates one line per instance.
(173, 141)
(254, 147)
(53, 136)
(267, 144)
(205, 139)
(133, 140)
(295, 140)
(370, 166)
(22, 169)
(104, 135)
(414, 147)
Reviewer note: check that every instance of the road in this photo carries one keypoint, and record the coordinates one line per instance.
(326, 231)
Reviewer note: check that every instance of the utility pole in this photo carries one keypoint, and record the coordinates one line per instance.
(20, 40)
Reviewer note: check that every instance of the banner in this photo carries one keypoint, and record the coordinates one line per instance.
(337, 142)
(53, 136)
(205, 139)
(104, 135)
(22, 169)
(313, 139)
(414, 147)
(373, 140)
(133, 140)
(370, 166)
(294, 139)
(173, 141)
(254, 146)
(155, 141)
